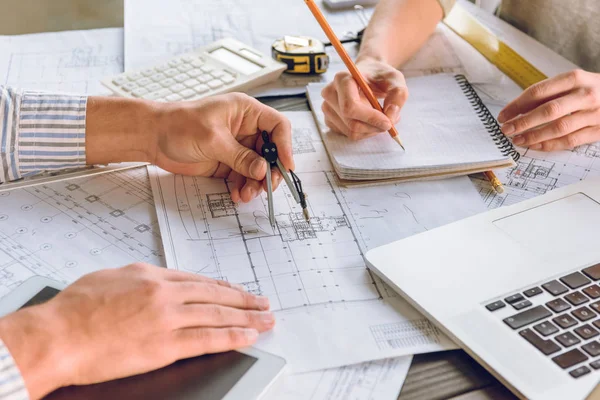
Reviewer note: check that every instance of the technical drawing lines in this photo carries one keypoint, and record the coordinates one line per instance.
(298, 264)
(302, 141)
(537, 173)
(405, 334)
(66, 229)
(75, 71)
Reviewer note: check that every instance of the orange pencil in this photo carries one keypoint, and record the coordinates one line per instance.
(349, 63)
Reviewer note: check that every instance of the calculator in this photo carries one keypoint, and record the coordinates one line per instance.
(224, 66)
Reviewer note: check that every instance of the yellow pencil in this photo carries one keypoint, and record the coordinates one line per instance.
(494, 181)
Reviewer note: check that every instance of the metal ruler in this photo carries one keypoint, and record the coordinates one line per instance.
(495, 50)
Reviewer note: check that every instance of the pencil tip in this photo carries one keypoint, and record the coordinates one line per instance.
(397, 139)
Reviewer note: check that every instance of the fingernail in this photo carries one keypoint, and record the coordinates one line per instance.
(235, 286)
(501, 117)
(251, 334)
(508, 129)
(266, 318)
(536, 146)
(519, 140)
(263, 302)
(257, 168)
(393, 113)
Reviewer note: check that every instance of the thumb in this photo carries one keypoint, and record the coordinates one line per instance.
(243, 160)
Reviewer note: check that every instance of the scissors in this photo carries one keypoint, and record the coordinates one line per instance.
(269, 152)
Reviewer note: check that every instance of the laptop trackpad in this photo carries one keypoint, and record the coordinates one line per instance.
(557, 228)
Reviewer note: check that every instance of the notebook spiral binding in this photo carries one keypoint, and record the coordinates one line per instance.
(490, 123)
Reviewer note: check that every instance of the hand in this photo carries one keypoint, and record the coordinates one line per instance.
(120, 322)
(347, 109)
(555, 114)
(214, 137)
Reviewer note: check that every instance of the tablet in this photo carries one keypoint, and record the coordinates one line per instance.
(242, 374)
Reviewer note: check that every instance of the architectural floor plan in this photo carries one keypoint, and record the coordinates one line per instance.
(66, 229)
(313, 272)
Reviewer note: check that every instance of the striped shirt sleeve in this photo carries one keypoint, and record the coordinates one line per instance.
(40, 132)
(12, 386)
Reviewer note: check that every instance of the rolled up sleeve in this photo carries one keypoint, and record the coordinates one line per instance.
(40, 132)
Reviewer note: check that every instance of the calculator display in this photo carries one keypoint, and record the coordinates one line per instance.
(235, 61)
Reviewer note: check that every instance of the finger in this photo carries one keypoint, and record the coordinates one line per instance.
(394, 101)
(237, 183)
(547, 112)
(354, 129)
(191, 342)
(542, 92)
(276, 179)
(222, 171)
(265, 118)
(216, 316)
(353, 105)
(558, 128)
(205, 293)
(251, 189)
(583, 136)
(172, 275)
(240, 158)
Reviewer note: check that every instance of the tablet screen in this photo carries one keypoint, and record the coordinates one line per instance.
(42, 296)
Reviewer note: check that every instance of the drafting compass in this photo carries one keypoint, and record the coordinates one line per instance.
(269, 152)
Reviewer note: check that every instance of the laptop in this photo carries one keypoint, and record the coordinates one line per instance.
(517, 287)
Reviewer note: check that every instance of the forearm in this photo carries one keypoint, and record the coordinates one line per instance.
(121, 130)
(398, 29)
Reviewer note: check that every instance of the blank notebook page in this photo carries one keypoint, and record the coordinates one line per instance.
(438, 127)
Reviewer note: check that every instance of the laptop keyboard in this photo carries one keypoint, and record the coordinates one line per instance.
(560, 318)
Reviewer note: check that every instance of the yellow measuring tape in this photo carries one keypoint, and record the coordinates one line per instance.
(496, 51)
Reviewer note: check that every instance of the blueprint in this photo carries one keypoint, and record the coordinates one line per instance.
(375, 380)
(536, 172)
(66, 229)
(72, 62)
(325, 299)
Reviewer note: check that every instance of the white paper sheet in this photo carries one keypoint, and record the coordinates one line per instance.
(64, 230)
(326, 301)
(73, 61)
(374, 380)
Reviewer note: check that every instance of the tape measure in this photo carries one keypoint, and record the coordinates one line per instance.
(302, 54)
(496, 51)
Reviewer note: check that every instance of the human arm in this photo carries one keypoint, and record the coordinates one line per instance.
(121, 322)
(556, 114)
(396, 31)
(217, 136)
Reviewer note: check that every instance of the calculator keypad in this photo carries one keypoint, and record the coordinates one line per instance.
(184, 78)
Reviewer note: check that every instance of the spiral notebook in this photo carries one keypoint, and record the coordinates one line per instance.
(444, 125)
